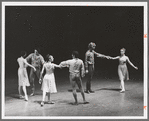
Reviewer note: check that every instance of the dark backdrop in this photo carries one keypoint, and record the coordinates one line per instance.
(60, 30)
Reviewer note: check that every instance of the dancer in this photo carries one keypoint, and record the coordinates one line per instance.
(48, 84)
(22, 75)
(122, 68)
(76, 69)
(89, 65)
(37, 61)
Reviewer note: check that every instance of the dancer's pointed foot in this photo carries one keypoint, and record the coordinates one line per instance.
(26, 98)
(122, 91)
(32, 94)
(42, 103)
(21, 96)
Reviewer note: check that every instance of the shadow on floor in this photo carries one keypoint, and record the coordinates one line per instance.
(110, 89)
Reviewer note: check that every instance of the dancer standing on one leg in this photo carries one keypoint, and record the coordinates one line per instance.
(37, 61)
(122, 68)
(48, 84)
(89, 65)
(76, 69)
(22, 75)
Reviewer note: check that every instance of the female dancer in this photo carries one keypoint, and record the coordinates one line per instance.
(48, 84)
(122, 68)
(22, 74)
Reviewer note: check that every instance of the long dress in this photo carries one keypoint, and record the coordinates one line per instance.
(22, 73)
(122, 69)
(48, 84)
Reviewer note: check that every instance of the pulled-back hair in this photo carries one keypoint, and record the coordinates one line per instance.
(23, 53)
(123, 49)
(49, 57)
(76, 54)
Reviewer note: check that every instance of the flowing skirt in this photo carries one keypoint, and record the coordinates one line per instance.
(48, 84)
(23, 77)
(123, 72)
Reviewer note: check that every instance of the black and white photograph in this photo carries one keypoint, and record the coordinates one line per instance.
(74, 60)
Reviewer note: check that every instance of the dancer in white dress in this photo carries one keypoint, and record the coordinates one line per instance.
(48, 84)
(122, 68)
(22, 75)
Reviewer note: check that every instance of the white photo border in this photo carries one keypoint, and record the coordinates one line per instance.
(143, 4)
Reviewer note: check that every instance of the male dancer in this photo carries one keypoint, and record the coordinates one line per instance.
(37, 61)
(89, 64)
(76, 69)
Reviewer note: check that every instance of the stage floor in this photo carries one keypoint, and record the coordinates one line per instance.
(106, 101)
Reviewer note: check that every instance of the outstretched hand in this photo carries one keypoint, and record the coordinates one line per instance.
(40, 81)
(108, 57)
(136, 68)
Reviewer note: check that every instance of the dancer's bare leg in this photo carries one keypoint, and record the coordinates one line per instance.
(20, 92)
(73, 84)
(123, 87)
(24, 90)
(32, 78)
(43, 97)
(50, 102)
(79, 83)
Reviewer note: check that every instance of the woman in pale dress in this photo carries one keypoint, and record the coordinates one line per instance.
(22, 75)
(122, 68)
(48, 84)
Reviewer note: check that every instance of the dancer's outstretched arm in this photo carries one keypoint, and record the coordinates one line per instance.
(29, 64)
(114, 58)
(58, 66)
(131, 64)
(64, 64)
(101, 55)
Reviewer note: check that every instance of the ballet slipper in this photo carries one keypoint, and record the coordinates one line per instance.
(21, 97)
(26, 98)
(42, 103)
(122, 91)
(32, 94)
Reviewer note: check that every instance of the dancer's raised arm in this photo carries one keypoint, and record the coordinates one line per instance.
(131, 63)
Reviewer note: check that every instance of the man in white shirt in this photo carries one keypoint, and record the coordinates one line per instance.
(76, 70)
